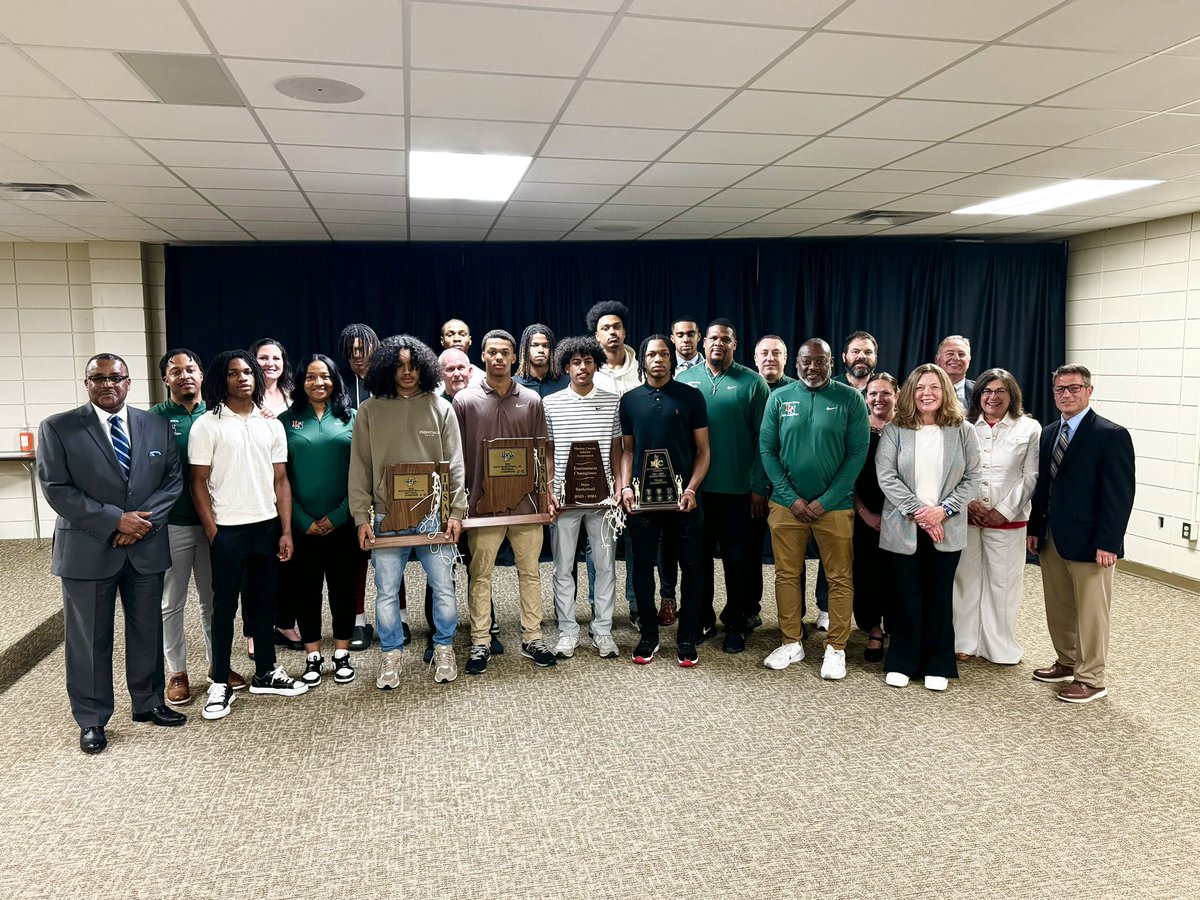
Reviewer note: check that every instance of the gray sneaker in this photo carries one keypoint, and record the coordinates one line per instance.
(606, 646)
(389, 671)
(445, 669)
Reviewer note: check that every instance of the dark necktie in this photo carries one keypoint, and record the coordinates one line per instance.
(1060, 448)
(120, 442)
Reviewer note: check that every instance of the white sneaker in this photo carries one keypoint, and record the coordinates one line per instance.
(565, 648)
(936, 682)
(220, 697)
(782, 657)
(389, 671)
(822, 621)
(896, 679)
(445, 669)
(833, 667)
(606, 646)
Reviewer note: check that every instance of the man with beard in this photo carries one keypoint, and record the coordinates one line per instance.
(860, 354)
(954, 358)
(536, 367)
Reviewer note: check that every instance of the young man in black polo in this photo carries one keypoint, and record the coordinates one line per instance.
(662, 414)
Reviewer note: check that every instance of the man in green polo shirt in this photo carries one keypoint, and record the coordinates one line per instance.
(736, 485)
(184, 376)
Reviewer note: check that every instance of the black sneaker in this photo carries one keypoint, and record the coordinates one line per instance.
(708, 631)
(496, 648)
(428, 657)
(407, 634)
(277, 681)
(216, 706)
(735, 642)
(343, 669)
(312, 669)
(542, 656)
(477, 659)
(643, 653)
(360, 637)
(752, 623)
(687, 655)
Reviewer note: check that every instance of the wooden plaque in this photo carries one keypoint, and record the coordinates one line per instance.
(659, 489)
(584, 483)
(514, 470)
(410, 504)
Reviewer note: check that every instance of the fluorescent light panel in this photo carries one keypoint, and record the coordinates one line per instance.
(464, 176)
(1056, 196)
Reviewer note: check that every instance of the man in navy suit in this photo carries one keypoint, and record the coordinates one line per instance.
(1081, 505)
(112, 475)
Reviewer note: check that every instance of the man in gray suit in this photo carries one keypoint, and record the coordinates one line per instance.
(112, 475)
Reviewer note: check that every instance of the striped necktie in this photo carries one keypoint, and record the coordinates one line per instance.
(1060, 448)
(120, 442)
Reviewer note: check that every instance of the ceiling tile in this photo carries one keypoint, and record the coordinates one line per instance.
(465, 95)
(843, 230)
(517, 41)
(583, 171)
(627, 212)
(350, 184)
(756, 197)
(450, 220)
(807, 178)
(762, 229)
(358, 202)
(641, 105)
(1067, 162)
(607, 143)
(342, 159)
(22, 78)
(92, 74)
(468, 136)
(369, 232)
(970, 20)
(897, 181)
(174, 211)
(213, 154)
(699, 52)
(194, 225)
(727, 215)
(1167, 166)
(119, 193)
(1048, 126)
(790, 13)
(1003, 74)
(327, 129)
(270, 213)
(548, 210)
(922, 119)
(456, 207)
(693, 174)
(383, 89)
(860, 64)
(955, 157)
(97, 173)
(367, 32)
(610, 6)
(223, 197)
(848, 200)
(852, 153)
(74, 208)
(189, 123)
(517, 234)
(77, 148)
(993, 185)
(363, 216)
(804, 216)
(563, 193)
(252, 179)
(934, 203)
(432, 233)
(675, 228)
(1155, 84)
(732, 147)
(778, 112)
(663, 196)
(534, 223)
(48, 116)
(1147, 27)
(113, 24)
(1161, 134)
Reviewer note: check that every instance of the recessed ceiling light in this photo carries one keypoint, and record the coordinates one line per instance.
(464, 176)
(318, 90)
(1056, 196)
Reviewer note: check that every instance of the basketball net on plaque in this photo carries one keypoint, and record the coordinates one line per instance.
(418, 496)
(659, 489)
(514, 476)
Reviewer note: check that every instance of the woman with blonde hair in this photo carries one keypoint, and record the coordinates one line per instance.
(928, 470)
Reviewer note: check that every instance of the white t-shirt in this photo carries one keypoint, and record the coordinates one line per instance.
(242, 452)
(927, 464)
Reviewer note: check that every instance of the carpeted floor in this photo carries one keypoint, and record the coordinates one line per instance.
(601, 779)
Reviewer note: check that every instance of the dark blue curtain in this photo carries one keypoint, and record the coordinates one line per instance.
(1007, 298)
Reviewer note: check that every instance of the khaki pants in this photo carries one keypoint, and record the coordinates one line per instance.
(526, 542)
(834, 533)
(1078, 598)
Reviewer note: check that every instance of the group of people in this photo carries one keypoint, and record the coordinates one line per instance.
(267, 483)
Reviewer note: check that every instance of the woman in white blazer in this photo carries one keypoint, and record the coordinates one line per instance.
(988, 584)
(928, 469)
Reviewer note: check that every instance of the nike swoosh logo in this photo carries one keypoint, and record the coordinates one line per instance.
(830, 408)
(522, 406)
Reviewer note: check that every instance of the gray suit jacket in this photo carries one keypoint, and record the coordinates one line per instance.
(86, 487)
(895, 465)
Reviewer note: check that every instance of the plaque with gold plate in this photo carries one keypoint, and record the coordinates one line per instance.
(659, 489)
(514, 477)
(418, 497)
(583, 484)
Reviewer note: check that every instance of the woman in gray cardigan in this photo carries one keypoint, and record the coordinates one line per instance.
(928, 469)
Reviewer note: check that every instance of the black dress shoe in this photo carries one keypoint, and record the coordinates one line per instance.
(92, 739)
(161, 715)
(360, 637)
(282, 640)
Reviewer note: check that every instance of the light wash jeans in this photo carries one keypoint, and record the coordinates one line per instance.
(389, 562)
(601, 561)
(189, 553)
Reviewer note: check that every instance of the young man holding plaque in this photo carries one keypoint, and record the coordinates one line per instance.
(736, 486)
(585, 437)
(664, 435)
(501, 408)
(405, 421)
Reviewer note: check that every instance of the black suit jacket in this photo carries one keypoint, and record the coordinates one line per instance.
(1093, 493)
(85, 486)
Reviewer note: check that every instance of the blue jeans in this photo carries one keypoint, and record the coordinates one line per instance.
(389, 562)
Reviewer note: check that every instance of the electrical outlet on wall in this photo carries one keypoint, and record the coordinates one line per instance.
(1187, 531)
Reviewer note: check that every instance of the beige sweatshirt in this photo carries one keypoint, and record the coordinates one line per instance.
(391, 430)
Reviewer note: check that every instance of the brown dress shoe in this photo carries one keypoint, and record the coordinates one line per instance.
(1055, 673)
(666, 613)
(1078, 692)
(236, 681)
(179, 691)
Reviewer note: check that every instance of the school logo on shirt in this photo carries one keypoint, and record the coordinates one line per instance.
(297, 424)
(791, 408)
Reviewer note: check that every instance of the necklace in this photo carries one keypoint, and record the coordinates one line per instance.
(715, 381)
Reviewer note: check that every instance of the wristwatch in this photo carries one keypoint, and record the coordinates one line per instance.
(948, 510)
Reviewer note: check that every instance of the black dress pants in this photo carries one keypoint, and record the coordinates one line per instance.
(330, 559)
(245, 562)
(921, 626)
(645, 531)
(726, 525)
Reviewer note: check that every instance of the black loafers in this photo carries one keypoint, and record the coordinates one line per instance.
(160, 715)
(92, 739)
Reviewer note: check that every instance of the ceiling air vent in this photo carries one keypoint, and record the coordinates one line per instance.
(19, 190)
(885, 217)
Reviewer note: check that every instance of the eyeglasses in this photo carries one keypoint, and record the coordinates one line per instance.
(114, 380)
(1072, 389)
(998, 392)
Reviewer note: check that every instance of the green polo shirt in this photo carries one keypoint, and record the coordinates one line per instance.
(735, 402)
(318, 466)
(842, 378)
(184, 510)
(783, 381)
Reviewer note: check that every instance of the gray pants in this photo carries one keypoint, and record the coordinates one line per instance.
(565, 537)
(189, 553)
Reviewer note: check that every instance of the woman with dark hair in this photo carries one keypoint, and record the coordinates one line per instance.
(990, 577)
(928, 470)
(872, 567)
(273, 360)
(319, 427)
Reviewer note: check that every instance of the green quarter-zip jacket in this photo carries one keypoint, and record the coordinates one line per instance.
(735, 400)
(184, 510)
(318, 466)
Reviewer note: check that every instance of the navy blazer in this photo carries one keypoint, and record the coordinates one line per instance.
(84, 484)
(1093, 493)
